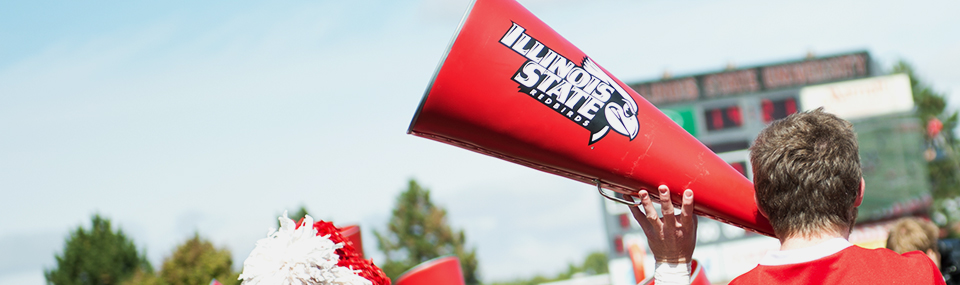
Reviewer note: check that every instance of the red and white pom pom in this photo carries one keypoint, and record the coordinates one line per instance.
(297, 255)
(351, 256)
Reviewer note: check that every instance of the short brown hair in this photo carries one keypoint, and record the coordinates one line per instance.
(806, 173)
(911, 234)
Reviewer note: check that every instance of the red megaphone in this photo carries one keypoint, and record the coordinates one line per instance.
(352, 234)
(441, 270)
(510, 87)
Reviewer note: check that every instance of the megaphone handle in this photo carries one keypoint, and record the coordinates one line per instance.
(615, 199)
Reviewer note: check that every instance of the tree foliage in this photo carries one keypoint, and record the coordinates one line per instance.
(97, 256)
(302, 212)
(296, 216)
(944, 171)
(418, 231)
(196, 261)
(930, 104)
(595, 263)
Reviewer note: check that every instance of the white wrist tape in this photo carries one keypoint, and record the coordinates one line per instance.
(672, 273)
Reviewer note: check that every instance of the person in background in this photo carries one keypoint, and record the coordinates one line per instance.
(912, 234)
(808, 183)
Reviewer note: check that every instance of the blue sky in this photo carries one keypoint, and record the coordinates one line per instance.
(179, 116)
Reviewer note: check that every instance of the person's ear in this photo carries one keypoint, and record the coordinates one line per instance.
(863, 185)
(758, 207)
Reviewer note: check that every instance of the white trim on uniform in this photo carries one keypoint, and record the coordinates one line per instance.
(806, 254)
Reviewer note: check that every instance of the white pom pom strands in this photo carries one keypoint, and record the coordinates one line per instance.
(297, 256)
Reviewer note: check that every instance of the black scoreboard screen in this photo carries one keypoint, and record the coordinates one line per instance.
(777, 109)
(723, 118)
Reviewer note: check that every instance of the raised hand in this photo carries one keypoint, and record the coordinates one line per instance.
(673, 237)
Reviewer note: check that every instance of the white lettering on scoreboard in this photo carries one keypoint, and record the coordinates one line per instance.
(861, 98)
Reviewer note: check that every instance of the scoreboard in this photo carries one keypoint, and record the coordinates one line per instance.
(728, 108)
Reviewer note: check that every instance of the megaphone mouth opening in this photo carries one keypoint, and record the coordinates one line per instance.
(453, 40)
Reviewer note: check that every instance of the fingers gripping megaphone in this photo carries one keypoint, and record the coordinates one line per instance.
(510, 87)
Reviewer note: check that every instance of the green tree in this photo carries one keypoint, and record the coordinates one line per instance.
(595, 263)
(302, 212)
(144, 278)
(97, 256)
(296, 216)
(196, 261)
(418, 231)
(944, 173)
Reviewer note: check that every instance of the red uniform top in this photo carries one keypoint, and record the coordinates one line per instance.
(847, 264)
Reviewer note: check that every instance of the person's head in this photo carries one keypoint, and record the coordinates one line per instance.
(806, 173)
(910, 234)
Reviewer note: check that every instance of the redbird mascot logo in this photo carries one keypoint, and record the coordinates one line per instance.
(584, 93)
